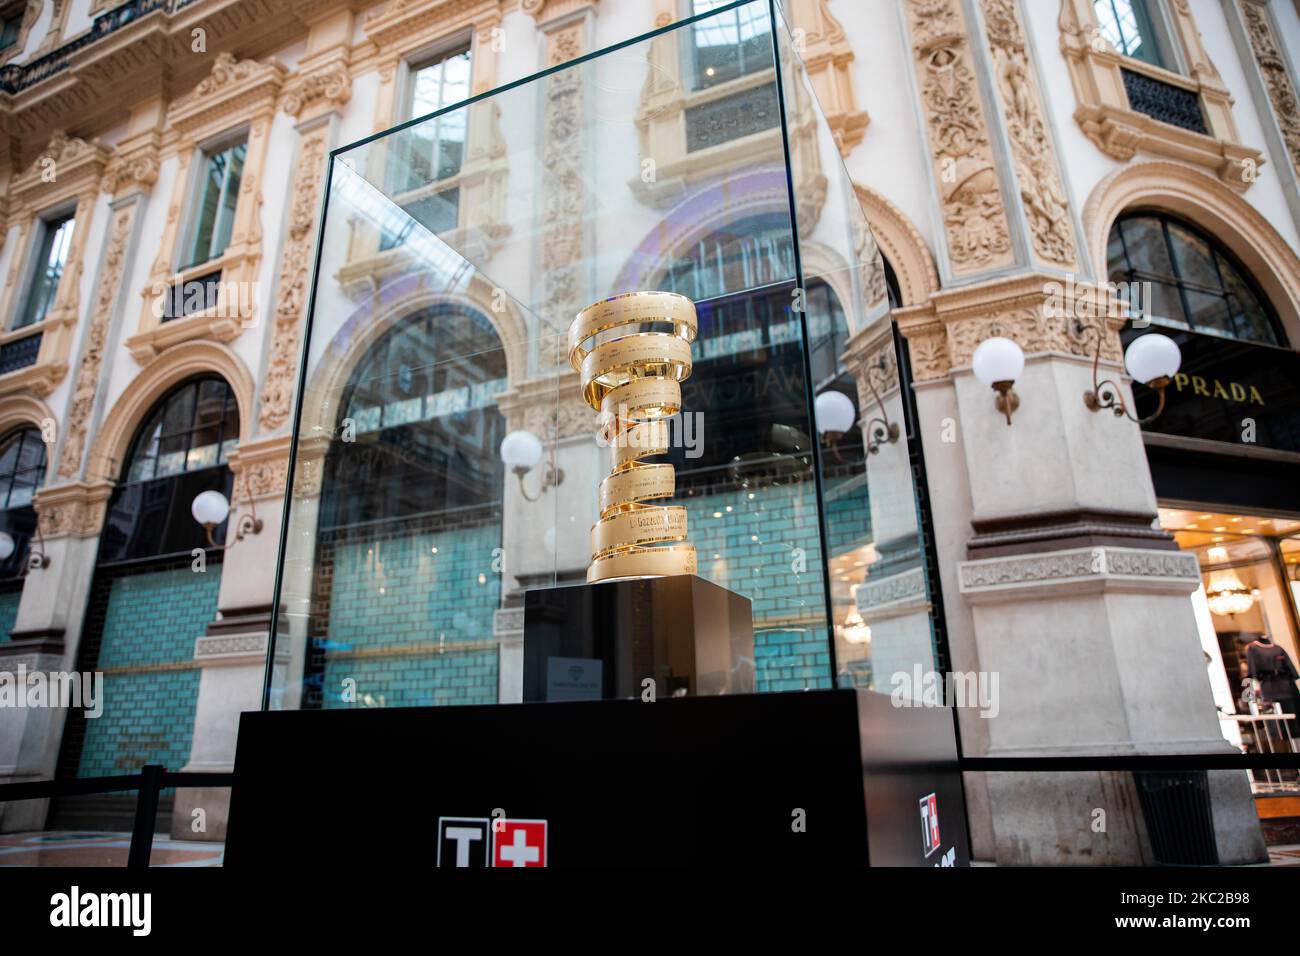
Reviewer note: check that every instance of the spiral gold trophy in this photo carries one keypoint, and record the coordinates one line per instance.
(644, 621)
(632, 352)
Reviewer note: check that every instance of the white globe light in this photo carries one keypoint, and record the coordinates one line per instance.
(210, 507)
(1152, 356)
(835, 412)
(6, 545)
(521, 449)
(997, 360)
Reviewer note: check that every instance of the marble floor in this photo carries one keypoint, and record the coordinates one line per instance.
(88, 848)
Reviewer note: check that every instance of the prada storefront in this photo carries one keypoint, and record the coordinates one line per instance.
(1225, 461)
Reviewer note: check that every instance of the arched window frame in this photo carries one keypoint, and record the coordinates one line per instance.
(156, 418)
(1220, 251)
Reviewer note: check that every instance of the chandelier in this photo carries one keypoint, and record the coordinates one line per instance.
(1226, 595)
(855, 630)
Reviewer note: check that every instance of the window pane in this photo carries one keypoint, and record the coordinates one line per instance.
(1147, 251)
(56, 239)
(215, 216)
(1209, 313)
(1166, 303)
(1193, 257)
(1129, 27)
(229, 199)
(1250, 317)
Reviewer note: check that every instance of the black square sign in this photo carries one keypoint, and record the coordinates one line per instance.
(464, 841)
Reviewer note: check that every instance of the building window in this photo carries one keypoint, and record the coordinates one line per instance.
(432, 151)
(22, 467)
(729, 45)
(1131, 27)
(193, 428)
(10, 28)
(214, 217)
(441, 83)
(51, 255)
(1195, 283)
(22, 471)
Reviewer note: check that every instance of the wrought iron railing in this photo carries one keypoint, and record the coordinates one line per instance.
(17, 77)
(1164, 102)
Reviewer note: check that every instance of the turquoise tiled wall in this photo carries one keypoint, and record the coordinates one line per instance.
(390, 594)
(438, 589)
(767, 547)
(8, 612)
(152, 619)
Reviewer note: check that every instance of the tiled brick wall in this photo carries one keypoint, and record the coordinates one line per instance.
(751, 549)
(8, 611)
(431, 592)
(151, 623)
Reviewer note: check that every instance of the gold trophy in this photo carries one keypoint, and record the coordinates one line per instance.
(632, 353)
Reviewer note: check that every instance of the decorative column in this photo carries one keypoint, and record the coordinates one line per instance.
(1056, 581)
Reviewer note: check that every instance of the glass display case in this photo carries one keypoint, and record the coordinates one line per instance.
(444, 461)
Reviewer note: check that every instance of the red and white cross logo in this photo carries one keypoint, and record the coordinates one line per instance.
(930, 823)
(519, 843)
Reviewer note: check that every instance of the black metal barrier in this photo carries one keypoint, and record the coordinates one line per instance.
(149, 783)
(153, 779)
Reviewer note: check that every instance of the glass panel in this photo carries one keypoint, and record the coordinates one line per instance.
(402, 509)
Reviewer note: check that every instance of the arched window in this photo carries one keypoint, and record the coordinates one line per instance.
(22, 471)
(1195, 282)
(411, 518)
(195, 427)
(180, 449)
(421, 415)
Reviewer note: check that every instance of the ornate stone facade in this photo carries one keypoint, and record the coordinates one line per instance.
(92, 356)
(1277, 81)
(977, 233)
(1046, 205)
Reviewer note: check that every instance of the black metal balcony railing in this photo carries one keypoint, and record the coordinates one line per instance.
(20, 353)
(1164, 102)
(19, 76)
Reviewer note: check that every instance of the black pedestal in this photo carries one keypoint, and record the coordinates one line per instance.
(605, 640)
(827, 779)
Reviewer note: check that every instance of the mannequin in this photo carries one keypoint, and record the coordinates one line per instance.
(1272, 667)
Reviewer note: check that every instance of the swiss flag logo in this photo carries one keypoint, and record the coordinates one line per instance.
(519, 843)
(930, 823)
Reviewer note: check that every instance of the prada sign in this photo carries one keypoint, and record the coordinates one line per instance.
(1228, 391)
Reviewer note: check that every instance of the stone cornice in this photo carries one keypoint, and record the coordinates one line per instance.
(74, 509)
(235, 89)
(1079, 570)
(66, 167)
(320, 86)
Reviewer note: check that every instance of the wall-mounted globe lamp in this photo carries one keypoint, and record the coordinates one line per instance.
(210, 508)
(997, 363)
(36, 560)
(521, 451)
(1152, 359)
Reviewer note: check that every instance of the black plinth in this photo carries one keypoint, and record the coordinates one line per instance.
(603, 641)
(825, 779)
